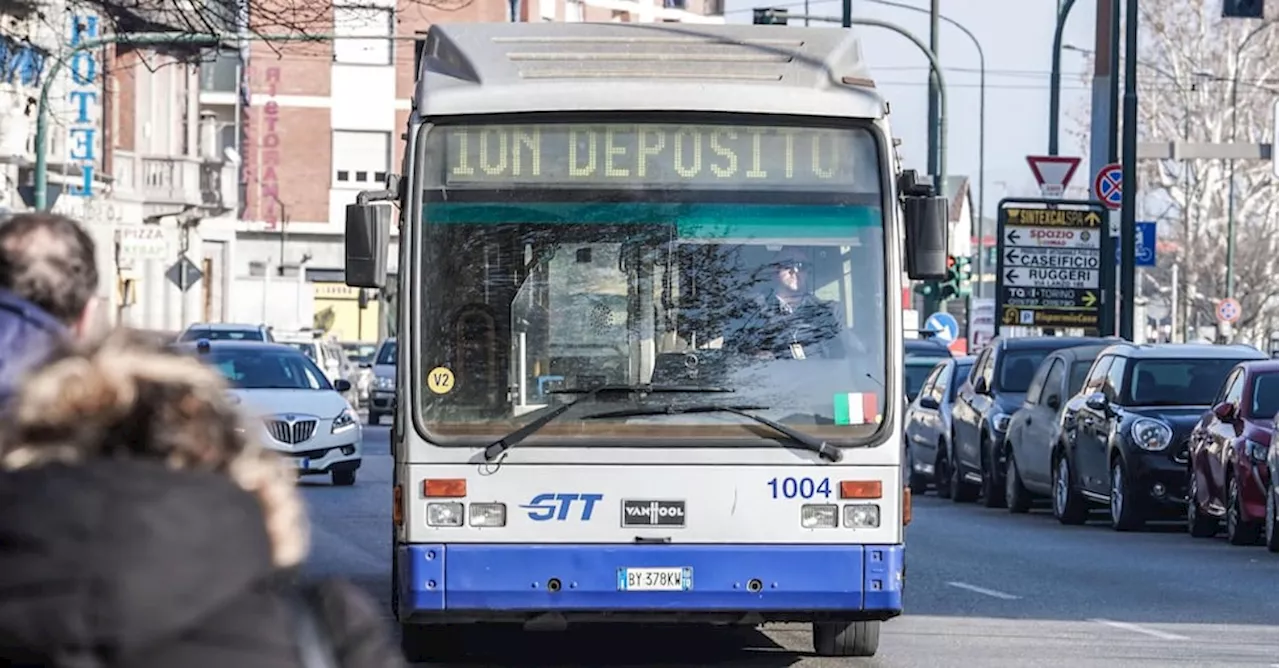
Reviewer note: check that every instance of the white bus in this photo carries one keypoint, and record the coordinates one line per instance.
(650, 322)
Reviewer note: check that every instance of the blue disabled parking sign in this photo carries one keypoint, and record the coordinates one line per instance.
(944, 325)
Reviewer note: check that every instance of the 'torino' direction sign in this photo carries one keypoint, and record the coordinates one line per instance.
(1050, 271)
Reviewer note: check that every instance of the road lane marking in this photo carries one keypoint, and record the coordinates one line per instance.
(1126, 626)
(984, 591)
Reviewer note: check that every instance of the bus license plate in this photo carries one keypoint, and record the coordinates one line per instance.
(655, 579)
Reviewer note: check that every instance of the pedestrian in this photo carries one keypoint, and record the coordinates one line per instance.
(142, 526)
(48, 278)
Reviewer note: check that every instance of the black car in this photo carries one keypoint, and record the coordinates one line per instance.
(995, 389)
(1037, 426)
(1125, 434)
(927, 426)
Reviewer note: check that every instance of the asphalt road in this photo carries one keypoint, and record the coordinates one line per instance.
(984, 590)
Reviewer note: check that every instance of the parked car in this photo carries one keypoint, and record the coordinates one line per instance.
(301, 414)
(1273, 489)
(222, 331)
(1228, 476)
(995, 389)
(382, 398)
(1037, 426)
(927, 430)
(361, 353)
(1126, 432)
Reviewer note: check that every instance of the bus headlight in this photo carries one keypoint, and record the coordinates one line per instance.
(444, 514)
(488, 514)
(819, 516)
(862, 516)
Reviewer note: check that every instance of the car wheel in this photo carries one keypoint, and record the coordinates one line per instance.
(1272, 527)
(962, 491)
(992, 490)
(1199, 525)
(942, 473)
(344, 478)
(1068, 506)
(374, 418)
(1240, 531)
(1125, 511)
(1016, 497)
(915, 480)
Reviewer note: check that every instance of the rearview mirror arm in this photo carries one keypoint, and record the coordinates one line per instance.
(390, 194)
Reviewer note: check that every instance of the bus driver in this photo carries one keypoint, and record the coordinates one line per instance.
(788, 321)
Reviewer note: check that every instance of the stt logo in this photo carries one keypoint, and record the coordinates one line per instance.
(544, 507)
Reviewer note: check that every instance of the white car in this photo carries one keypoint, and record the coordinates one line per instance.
(303, 415)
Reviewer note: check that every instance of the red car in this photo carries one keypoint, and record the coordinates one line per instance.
(1228, 472)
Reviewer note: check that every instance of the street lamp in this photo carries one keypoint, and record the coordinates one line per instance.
(982, 121)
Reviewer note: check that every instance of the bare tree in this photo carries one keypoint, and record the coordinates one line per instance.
(1193, 65)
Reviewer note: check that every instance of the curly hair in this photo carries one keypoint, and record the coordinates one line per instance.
(128, 397)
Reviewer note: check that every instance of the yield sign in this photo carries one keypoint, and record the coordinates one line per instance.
(1053, 170)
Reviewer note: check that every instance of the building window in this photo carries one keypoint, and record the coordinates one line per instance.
(360, 158)
(374, 24)
(573, 11)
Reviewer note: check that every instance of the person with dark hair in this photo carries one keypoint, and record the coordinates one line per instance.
(789, 319)
(144, 526)
(48, 277)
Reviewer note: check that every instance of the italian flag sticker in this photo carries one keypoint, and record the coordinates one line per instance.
(856, 408)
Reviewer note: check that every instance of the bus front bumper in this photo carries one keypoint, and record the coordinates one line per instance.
(463, 582)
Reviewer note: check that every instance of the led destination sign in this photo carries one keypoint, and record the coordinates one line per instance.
(631, 155)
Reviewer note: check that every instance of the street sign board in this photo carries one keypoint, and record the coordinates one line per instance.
(184, 273)
(1053, 172)
(141, 242)
(1228, 310)
(1144, 251)
(1106, 185)
(1049, 269)
(946, 326)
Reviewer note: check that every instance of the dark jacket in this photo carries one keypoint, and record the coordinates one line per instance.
(125, 564)
(27, 336)
(771, 328)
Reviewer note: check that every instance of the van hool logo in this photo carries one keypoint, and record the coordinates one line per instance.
(652, 513)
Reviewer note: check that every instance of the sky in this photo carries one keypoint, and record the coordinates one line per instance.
(1017, 38)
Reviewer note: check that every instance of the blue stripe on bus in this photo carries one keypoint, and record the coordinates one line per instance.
(465, 577)
(691, 219)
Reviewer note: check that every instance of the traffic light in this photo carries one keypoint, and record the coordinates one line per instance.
(1242, 9)
(769, 16)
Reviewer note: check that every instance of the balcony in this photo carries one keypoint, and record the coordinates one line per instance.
(170, 184)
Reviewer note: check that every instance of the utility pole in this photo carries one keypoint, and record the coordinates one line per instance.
(932, 304)
(1102, 127)
(1129, 171)
(846, 13)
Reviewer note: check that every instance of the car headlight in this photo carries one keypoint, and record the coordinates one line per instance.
(1256, 451)
(1150, 434)
(345, 421)
(1001, 422)
(384, 383)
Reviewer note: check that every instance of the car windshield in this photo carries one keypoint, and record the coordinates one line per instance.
(1175, 382)
(267, 369)
(558, 256)
(1266, 391)
(1079, 372)
(360, 353)
(387, 355)
(1018, 367)
(308, 349)
(917, 371)
(958, 377)
(222, 335)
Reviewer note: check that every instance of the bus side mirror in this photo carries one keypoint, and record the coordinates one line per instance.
(367, 243)
(927, 218)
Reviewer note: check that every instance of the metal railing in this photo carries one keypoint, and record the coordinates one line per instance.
(175, 180)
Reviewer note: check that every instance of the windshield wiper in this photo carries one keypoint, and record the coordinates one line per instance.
(825, 450)
(509, 441)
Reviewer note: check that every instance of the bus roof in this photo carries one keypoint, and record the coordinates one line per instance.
(496, 68)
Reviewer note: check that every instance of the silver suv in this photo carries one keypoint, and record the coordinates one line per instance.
(382, 396)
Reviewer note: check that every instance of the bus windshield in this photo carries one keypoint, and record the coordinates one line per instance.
(564, 257)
